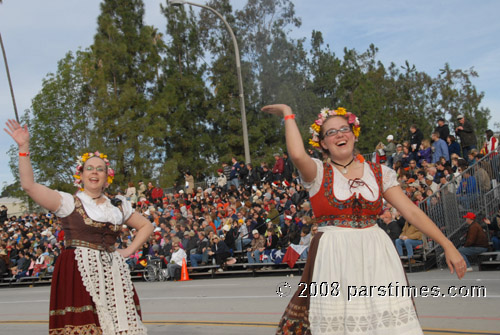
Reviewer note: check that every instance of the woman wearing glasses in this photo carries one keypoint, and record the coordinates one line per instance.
(349, 249)
(91, 290)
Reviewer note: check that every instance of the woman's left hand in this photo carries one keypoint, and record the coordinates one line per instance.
(124, 252)
(455, 262)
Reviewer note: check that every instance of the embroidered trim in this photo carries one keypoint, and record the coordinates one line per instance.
(88, 221)
(345, 221)
(91, 329)
(85, 244)
(71, 309)
(110, 286)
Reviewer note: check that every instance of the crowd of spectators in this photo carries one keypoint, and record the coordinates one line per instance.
(257, 211)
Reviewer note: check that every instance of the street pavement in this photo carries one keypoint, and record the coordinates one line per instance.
(251, 305)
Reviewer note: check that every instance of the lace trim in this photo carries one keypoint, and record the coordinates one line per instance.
(398, 320)
(110, 286)
(91, 329)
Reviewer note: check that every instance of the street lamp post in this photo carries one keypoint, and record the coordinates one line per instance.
(8, 78)
(238, 71)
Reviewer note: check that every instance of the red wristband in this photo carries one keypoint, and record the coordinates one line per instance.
(288, 117)
(24, 154)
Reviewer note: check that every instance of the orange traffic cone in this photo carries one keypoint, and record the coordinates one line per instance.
(184, 271)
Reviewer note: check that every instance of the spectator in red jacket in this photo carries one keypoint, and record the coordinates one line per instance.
(278, 167)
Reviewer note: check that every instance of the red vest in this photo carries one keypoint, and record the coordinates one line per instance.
(354, 212)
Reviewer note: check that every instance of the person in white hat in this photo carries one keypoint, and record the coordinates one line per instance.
(257, 247)
(390, 150)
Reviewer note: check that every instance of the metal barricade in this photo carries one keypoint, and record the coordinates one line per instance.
(477, 190)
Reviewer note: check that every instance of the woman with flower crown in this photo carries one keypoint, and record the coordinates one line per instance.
(91, 290)
(353, 277)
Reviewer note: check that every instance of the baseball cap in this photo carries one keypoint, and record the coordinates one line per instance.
(255, 231)
(469, 215)
(390, 137)
(460, 116)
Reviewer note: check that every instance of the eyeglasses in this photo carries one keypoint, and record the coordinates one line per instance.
(333, 132)
(92, 168)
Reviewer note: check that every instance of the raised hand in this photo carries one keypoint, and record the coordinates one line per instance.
(19, 133)
(278, 109)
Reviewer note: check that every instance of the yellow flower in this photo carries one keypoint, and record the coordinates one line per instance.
(341, 111)
(110, 179)
(315, 127)
(313, 143)
(356, 131)
(76, 176)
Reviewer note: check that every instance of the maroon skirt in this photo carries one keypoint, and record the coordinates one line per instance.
(72, 310)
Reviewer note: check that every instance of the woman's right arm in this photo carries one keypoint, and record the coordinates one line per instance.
(41, 194)
(294, 143)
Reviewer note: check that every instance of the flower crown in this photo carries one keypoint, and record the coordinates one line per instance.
(324, 114)
(81, 162)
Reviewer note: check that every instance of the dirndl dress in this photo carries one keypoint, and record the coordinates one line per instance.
(354, 279)
(91, 289)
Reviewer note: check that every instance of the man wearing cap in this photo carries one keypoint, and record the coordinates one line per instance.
(178, 254)
(443, 129)
(390, 150)
(468, 139)
(257, 247)
(476, 241)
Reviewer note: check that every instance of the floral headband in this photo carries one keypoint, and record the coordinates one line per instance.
(324, 114)
(81, 162)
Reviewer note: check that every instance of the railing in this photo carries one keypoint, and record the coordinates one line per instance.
(451, 202)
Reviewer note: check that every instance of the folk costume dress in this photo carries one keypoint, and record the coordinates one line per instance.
(91, 291)
(350, 250)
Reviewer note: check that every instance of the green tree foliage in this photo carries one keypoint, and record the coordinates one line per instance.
(60, 121)
(126, 54)
(183, 100)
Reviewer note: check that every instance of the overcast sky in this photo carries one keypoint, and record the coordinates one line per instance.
(427, 33)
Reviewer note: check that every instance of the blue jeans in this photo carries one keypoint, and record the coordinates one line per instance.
(195, 258)
(255, 258)
(235, 182)
(466, 150)
(496, 243)
(241, 242)
(409, 244)
(470, 251)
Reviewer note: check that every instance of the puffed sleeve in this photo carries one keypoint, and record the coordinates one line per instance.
(67, 205)
(314, 186)
(127, 208)
(389, 178)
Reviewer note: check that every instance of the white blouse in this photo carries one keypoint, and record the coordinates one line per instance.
(341, 184)
(104, 212)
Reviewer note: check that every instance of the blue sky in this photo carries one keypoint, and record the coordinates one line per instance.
(427, 33)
